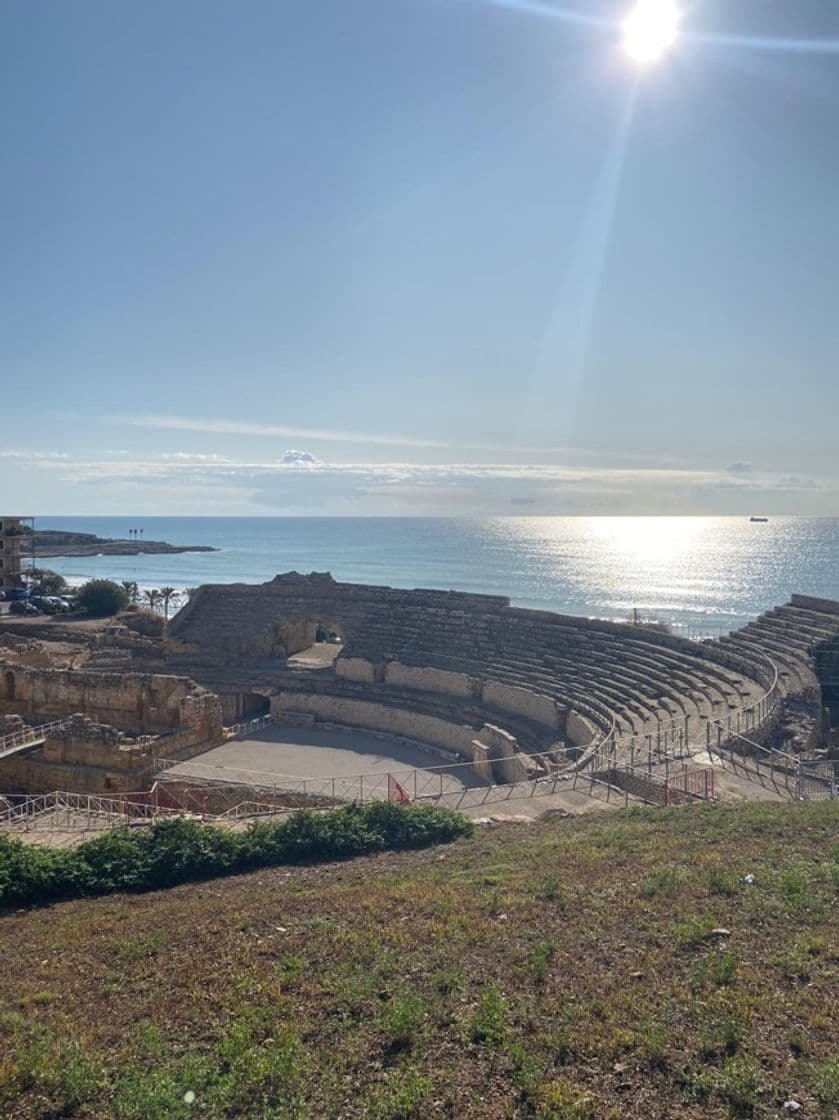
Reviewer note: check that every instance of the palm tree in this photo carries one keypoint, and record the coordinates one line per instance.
(167, 596)
(189, 592)
(152, 597)
(132, 591)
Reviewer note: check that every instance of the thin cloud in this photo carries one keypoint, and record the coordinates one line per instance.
(162, 422)
(246, 428)
(27, 455)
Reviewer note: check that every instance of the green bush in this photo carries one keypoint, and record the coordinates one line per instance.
(181, 850)
(102, 597)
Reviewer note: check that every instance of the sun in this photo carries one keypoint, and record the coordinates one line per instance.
(650, 30)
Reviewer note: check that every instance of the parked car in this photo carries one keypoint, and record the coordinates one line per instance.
(16, 593)
(45, 603)
(22, 606)
(2, 596)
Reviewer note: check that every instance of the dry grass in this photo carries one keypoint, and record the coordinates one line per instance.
(562, 971)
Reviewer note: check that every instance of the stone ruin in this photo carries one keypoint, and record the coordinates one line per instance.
(112, 728)
(444, 667)
(515, 691)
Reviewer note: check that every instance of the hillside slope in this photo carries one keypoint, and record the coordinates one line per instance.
(564, 970)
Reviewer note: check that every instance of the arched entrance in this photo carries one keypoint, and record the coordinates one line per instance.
(255, 704)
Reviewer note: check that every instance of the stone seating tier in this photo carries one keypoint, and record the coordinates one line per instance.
(635, 675)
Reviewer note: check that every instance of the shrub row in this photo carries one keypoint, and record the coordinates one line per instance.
(182, 850)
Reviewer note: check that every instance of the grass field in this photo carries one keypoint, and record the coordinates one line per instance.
(565, 970)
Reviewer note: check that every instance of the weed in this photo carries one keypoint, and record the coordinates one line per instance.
(130, 949)
(560, 1100)
(290, 967)
(721, 1038)
(798, 962)
(695, 931)
(495, 902)
(722, 968)
(824, 1081)
(722, 882)
(488, 1026)
(447, 980)
(665, 882)
(543, 954)
(148, 1039)
(153, 1094)
(794, 888)
(551, 891)
(400, 1019)
(739, 1083)
(654, 1039)
(401, 1098)
(42, 997)
(525, 1069)
(55, 1068)
(561, 1041)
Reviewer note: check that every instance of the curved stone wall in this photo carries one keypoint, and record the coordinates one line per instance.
(547, 677)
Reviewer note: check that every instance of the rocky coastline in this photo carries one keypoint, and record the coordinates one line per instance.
(58, 542)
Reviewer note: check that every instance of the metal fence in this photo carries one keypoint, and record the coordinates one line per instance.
(249, 726)
(80, 810)
(29, 736)
(690, 785)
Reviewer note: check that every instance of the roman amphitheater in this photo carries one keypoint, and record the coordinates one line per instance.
(307, 691)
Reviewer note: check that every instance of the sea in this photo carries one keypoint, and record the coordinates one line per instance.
(701, 575)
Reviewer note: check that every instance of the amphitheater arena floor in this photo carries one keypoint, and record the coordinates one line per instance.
(270, 756)
(315, 754)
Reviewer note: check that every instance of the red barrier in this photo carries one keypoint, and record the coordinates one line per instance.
(689, 785)
(396, 791)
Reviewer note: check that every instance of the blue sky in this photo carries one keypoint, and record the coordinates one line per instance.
(458, 256)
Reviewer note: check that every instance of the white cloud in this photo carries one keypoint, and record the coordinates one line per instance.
(299, 484)
(27, 455)
(246, 428)
(302, 458)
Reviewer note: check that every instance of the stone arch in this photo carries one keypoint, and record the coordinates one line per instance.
(255, 704)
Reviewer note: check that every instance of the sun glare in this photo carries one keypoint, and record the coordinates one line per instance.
(650, 30)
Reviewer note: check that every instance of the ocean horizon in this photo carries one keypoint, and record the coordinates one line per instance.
(702, 575)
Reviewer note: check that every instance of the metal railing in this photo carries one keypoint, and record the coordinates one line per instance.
(82, 810)
(29, 735)
(818, 779)
(248, 727)
(774, 768)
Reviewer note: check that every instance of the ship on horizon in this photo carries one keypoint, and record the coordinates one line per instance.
(758, 519)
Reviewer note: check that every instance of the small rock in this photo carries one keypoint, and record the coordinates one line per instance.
(635, 975)
(720, 931)
(748, 879)
(791, 1106)
(189, 1097)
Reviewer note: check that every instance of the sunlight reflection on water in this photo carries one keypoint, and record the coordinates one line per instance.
(696, 572)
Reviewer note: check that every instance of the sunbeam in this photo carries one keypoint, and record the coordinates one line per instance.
(701, 38)
(567, 339)
(763, 43)
(563, 15)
